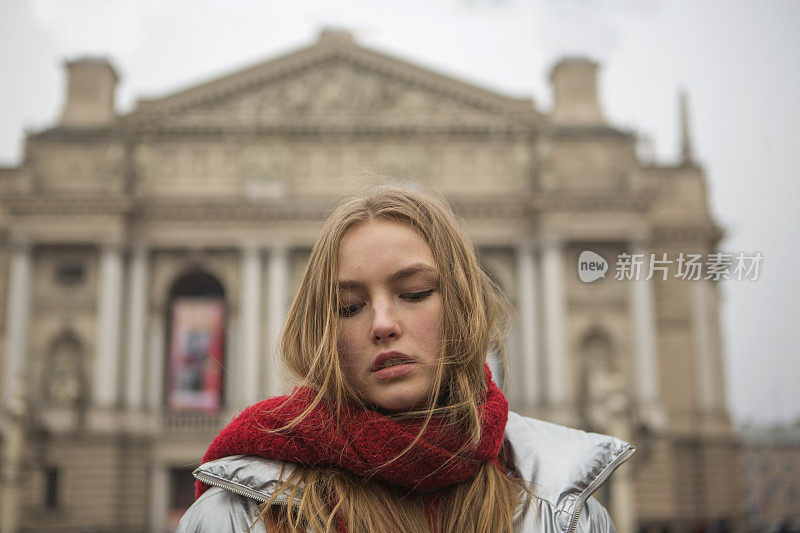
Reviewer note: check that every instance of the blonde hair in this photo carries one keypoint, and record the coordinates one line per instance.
(474, 319)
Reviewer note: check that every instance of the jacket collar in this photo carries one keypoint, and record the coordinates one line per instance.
(561, 466)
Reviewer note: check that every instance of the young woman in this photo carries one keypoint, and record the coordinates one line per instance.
(396, 423)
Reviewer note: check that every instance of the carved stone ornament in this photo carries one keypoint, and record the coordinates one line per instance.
(337, 91)
(62, 380)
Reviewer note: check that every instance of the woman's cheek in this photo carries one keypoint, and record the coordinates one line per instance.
(432, 321)
(347, 344)
(342, 345)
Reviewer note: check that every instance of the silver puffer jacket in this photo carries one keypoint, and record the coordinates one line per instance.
(561, 466)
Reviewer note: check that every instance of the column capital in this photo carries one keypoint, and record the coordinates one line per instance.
(251, 250)
(251, 246)
(652, 415)
(111, 246)
(525, 246)
(20, 243)
(550, 238)
(139, 247)
(640, 238)
(279, 246)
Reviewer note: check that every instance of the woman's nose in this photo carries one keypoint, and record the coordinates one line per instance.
(384, 322)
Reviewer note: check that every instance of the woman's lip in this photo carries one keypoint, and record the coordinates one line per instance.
(395, 371)
(388, 356)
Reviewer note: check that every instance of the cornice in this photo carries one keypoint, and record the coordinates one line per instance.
(698, 232)
(232, 211)
(314, 128)
(47, 205)
(668, 170)
(595, 201)
(493, 208)
(525, 204)
(312, 210)
(93, 135)
(589, 130)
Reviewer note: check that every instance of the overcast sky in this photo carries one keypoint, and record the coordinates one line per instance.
(738, 61)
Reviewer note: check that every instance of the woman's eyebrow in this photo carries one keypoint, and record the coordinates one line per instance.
(397, 276)
(411, 270)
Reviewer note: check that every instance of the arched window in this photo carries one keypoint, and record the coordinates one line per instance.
(196, 325)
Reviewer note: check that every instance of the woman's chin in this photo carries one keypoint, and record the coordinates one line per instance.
(400, 396)
(399, 403)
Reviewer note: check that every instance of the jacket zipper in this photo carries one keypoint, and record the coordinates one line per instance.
(240, 490)
(594, 485)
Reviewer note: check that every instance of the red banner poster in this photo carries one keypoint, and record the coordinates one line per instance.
(196, 354)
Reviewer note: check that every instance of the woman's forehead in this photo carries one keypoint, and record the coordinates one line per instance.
(383, 248)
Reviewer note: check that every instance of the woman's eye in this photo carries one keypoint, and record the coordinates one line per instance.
(417, 296)
(349, 310)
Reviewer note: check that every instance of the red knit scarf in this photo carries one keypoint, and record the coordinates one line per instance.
(364, 440)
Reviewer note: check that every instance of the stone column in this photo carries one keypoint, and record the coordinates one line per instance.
(558, 382)
(526, 382)
(159, 495)
(137, 319)
(250, 315)
(623, 485)
(701, 325)
(642, 313)
(155, 375)
(277, 289)
(13, 471)
(105, 385)
(718, 402)
(17, 317)
(230, 378)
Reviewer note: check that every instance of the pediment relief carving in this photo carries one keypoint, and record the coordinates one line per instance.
(334, 92)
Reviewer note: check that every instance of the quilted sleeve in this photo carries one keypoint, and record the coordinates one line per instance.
(220, 511)
(595, 519)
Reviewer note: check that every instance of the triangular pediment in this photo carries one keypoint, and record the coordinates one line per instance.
(333, 84)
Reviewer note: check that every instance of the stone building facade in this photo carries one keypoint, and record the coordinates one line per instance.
(771, 476)
(212, 196)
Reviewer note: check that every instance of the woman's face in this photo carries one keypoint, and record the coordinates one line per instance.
(390, 315)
